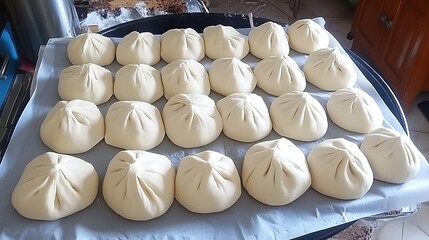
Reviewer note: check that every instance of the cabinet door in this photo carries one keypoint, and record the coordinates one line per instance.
(407, 45)
(368, 31)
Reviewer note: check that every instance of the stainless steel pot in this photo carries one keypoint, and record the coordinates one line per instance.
(34, 22)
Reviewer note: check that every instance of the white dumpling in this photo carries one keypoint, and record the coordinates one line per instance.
(138, 82)
(207, 182)
(393, 157)
(268, 39)
(191, 120)
(91, 48)
(245, 117)
(134, 125)
(306, 36)
(275, 172)
(339, 169)
(182, 44)
(72, 127)
(278, 75)
(139, 185)
(53, 186)
(224, 41)
(299, 116)
(231, 75)
(354, 110)
(330, 70)
(139, 48)
(86, 82)
(185, 76)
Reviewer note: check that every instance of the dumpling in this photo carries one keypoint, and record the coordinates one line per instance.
(184, 76)
(231, 75)
(299, 116)
(207, 182)
(245, 117)
(182, 44)
(138, 82)
(53, 186)
(224, 41)
(86, 82)
(72, 127)
(91, 48)
(278, 75)
(134, 125)
(139, 185)
(354, 110)
(393, 157)
(139, 48)
(268, 39)
(306, 36)
(330, 70)
(339, 169)
(275, 172)
(191, 120)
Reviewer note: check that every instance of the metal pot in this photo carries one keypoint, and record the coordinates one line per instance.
(34, 22)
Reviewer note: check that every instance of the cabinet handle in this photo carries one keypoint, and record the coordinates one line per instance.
(383, 18)
(386, 21)
(389, 24)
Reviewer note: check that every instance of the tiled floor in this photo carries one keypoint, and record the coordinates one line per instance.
(339, 15)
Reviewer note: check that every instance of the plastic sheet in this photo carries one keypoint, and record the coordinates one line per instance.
(247, 218)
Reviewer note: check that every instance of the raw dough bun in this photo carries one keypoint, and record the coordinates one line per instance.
(182, 44)
(72, 127)
(330, 70)
(138, 82)
(53, 186)
(139, 185)
(299, 116)
(191, 120)
(393, 157)
(278, 75)
(275, 172)
(231, 75)
(91, 48)
(86, 82)
(268, 39)
(139, 48)
(306, 36)
(207, 182)
(134, 125)
(354, 110)
(224, 41)
(185, 76)
(339, 169)
(245, 117)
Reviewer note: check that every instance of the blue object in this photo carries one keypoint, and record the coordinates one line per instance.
(8, 47)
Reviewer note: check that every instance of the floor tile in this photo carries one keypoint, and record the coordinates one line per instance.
(420, 139)
(325, 8)
(413, 227)
(421, 218)
(340, 27)
(416, 119)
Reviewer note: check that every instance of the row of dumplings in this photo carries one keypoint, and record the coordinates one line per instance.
(140, 185)
(268, 39)
(326, 68)
(195, 120)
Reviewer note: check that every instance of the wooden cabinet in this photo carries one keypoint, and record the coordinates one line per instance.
(393, 36)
